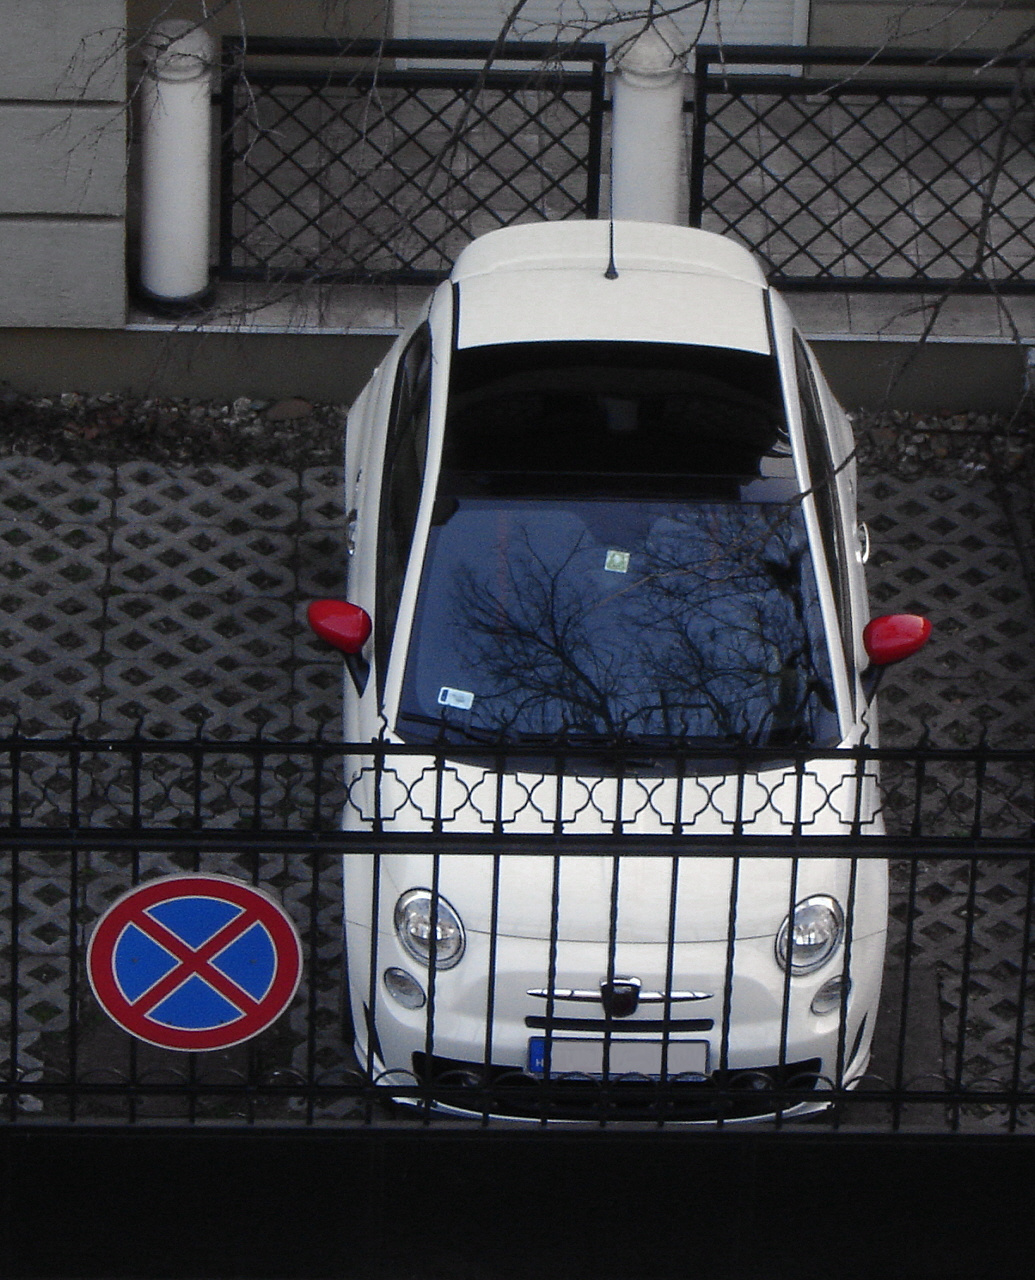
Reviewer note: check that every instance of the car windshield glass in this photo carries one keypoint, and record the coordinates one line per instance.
(617, 550)
(609, 619)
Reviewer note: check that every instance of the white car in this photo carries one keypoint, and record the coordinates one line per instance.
(605, 581)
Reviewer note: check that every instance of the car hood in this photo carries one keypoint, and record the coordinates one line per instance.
(573, 897)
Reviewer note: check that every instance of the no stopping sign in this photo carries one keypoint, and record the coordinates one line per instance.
(194, 962)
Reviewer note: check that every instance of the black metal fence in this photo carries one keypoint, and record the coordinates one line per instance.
(367, 160)
(889, 171)
(617, 917)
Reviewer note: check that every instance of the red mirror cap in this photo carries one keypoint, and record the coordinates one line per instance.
(895, 636)
(346, 626)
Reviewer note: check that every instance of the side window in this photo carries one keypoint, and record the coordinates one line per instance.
(403, 476)
(824, 489)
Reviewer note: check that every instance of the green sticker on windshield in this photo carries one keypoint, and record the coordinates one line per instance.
(617, 562)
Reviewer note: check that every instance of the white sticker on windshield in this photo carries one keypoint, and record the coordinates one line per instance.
(617, 562)
(455, 698)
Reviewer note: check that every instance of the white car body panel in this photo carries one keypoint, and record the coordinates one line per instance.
(645, 307)
(639, 246)
(668, 289)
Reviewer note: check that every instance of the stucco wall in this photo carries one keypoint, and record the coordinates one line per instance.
(62, 154)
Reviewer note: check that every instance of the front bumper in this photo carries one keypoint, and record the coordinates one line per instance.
(505, 1025)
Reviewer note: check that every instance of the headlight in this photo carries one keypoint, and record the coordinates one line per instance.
(425, 924)
(815, 927)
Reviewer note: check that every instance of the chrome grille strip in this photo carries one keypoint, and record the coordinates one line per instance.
(645, 997)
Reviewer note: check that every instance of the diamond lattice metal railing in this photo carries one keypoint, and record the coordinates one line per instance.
(364, 170)
(838, 180)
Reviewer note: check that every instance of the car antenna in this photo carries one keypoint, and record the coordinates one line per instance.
(612, 271)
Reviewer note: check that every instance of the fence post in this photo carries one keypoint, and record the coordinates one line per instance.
(697, 152)
(176, 104)
(648, 141)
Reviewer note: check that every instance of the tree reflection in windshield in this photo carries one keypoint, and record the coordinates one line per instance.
(610, 619)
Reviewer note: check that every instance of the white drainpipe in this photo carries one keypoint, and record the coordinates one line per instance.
(176, 113)
(648, 140)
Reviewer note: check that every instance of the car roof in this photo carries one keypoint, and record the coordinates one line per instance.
(549, 282)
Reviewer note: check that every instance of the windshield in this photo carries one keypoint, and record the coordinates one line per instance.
(607, 619)
(617, 551)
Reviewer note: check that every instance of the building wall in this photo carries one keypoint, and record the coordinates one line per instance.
(927, 24)
(62, 154)
(268, 17)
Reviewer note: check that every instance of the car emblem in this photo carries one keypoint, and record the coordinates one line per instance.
(620, 996)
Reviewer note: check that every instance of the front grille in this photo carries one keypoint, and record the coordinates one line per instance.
(509, 1091)
(601, 1026)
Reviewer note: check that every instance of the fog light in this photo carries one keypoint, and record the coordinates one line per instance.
(405, 989)
(831, 995)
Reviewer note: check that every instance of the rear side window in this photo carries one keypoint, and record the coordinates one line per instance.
(405, 455)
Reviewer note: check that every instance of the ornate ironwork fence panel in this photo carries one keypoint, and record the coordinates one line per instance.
(380, 160)
(840, 179)
(85, 820)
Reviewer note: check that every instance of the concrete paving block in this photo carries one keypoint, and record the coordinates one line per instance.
(51, 585)
(69, 555)
(238, 500)
(321, 564)
(230, 566)
(38, 491)
(198, 629)
(179, 700)
(945, 550)
(323, 497)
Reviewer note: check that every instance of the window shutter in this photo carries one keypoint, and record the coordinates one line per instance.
(738, 21)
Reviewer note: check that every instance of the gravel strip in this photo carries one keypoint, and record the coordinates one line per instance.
(109, 428)
(71, 427)
(911, 445)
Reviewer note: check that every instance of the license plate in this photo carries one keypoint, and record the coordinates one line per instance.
(586, 1056)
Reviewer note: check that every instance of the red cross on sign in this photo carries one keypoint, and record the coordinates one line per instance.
(194, 962)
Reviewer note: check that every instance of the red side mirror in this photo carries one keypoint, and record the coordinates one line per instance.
(895, 636)
(344, 625)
